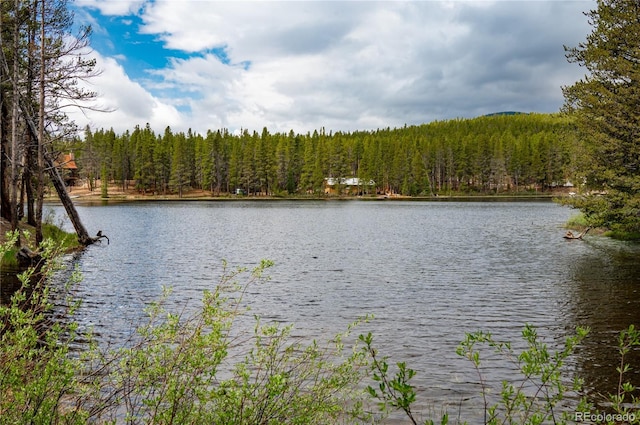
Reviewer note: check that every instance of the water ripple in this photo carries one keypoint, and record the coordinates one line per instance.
(429, 272)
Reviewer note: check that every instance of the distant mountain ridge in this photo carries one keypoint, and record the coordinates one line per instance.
(506, 113)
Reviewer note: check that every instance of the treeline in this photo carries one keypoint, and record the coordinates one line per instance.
(486, 154)
(42, 60)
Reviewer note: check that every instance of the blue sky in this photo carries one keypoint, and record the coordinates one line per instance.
(121, 37)
(341, 65)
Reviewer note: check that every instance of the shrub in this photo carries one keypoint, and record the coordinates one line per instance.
(538, 385)
(179, 368)
(36, 371)
(199, 367)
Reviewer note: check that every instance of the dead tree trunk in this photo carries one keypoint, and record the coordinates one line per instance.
(14, 125)
(58, 183)
(5, 204)
(40, 138)
(570, 235)
(61, 190)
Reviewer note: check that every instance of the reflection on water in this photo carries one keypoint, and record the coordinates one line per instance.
(429, 272)
(9, 284)
(605, 294)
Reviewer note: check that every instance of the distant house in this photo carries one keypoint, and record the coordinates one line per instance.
(347, 186)
(68, 168)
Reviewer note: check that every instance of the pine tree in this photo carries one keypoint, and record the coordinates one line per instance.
(162, 161)
(180, 162)
(605, 104)
(143, 142)
(35, 48)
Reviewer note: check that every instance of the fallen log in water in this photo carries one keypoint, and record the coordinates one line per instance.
(570, 235)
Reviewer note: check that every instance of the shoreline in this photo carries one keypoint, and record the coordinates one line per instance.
(115, 200)
(82, 196)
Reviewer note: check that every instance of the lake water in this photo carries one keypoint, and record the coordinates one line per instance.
(427, 271)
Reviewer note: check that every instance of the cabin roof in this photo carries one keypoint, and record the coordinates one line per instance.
(351, 181)
(67, 161)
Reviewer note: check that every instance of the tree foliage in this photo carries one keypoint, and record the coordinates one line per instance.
(41, 63)
(606, 106)
(491, 154)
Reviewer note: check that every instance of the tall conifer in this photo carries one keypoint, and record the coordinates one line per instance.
(606, 103)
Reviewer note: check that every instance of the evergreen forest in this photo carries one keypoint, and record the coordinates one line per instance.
(501, 153)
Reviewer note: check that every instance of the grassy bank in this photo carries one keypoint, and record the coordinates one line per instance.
(27, 236)
(580, 222)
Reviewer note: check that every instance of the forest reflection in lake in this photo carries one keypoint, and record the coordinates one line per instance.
(428, 271)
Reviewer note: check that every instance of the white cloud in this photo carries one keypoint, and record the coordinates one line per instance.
(112, 7)
(347, 65)
(126, 102)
